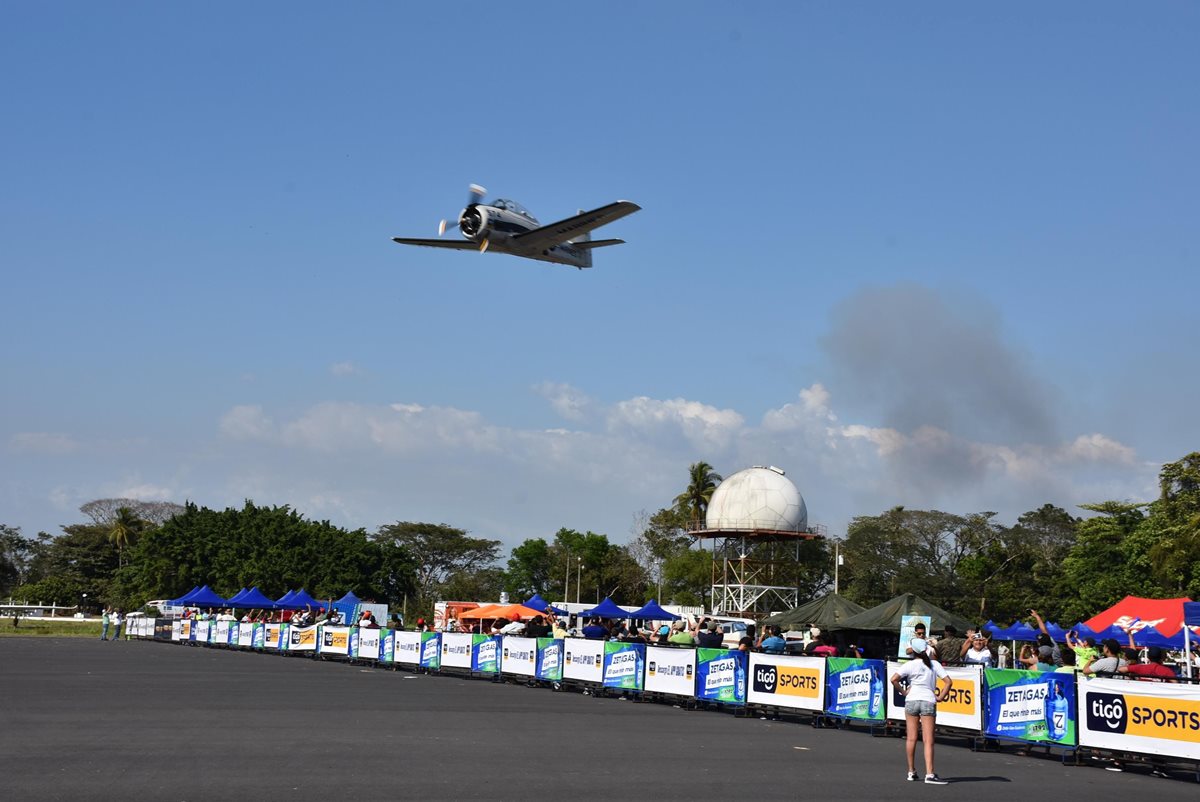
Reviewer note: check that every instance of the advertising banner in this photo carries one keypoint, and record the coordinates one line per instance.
(176, 630)
(220, 631)
(963, 710)
(273, 636)
(431, 646)
(854, 688)
(259, 635)
(387, 646)
(783, 681)
(1154, 718)
(368, 644)
(164, 629)
(584, 660)
(456, 650)
(185, 629)
(302, 639)
(721, 675)
(550, 659)
(203, 631)
(670, 670)
(907, 624)
(335, 640)
(485, 650)
(408, 648)
(1031, 706)
(519, 656)
(245, 635)
(624, 665)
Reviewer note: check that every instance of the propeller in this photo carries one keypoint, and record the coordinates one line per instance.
(475, 195)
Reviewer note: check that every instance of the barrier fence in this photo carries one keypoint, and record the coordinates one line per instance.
(1056, 709)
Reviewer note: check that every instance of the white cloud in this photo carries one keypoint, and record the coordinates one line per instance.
(567, 401)
(147, 492)
(49, 443)
(246, 422)
(344, 369)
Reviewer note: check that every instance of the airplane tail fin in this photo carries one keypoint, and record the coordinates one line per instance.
(578, 242)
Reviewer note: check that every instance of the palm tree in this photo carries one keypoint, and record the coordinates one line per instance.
(702, 481)
(124, 528)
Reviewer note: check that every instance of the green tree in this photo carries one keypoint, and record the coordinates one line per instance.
(1107, 561)
(660, 537)
(123, 530)
(438, 551)
(1174, 528)
(530, 569)
(693, 502)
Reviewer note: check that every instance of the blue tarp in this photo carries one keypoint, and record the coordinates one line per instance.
(651, 611)
(1191, 614)
(536, 602)
(205, 597)
(606, 609)
(1017, 631)
(253, 599)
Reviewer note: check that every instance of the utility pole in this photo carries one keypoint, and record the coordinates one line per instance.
(837, 562)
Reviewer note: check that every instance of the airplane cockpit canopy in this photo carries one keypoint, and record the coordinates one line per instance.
(515, 208)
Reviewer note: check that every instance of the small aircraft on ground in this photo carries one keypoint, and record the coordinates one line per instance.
(504, 226)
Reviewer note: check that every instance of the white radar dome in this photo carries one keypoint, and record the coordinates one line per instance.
(757, 498)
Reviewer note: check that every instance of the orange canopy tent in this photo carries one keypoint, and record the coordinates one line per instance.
(505, 611)
(486, 611)
(1165, 615)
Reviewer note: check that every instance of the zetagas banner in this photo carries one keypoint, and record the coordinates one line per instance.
(1031, 706)
(854, 688)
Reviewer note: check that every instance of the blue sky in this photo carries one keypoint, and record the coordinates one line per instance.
(930, 255)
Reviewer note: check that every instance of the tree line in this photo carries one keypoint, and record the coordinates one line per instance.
(1069, 566)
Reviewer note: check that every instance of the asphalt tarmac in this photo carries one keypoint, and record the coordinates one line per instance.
(82, 719)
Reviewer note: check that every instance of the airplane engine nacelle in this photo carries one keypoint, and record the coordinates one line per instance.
(474, 222)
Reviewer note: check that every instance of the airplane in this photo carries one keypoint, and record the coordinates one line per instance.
(505, 226)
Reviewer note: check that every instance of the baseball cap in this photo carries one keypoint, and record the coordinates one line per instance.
(918, 644)
(1045, 652)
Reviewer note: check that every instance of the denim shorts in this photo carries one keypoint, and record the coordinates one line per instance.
(919, 707)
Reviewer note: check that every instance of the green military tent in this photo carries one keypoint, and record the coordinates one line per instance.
(826, 612)
(886, 616)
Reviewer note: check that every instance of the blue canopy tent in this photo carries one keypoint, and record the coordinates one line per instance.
(536, 602)
(348, 607)
(284, 601)
(651, 611)
(205, 597)
(606, 609)
(182, 599)
(253, 599)
(1191, 618)
(233, 599)
(299, 600)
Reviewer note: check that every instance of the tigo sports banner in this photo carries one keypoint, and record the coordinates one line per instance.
(431, 643)
(408, 648)
(1155, 718)
(272, 636)
(1031, 706)
(782, 681)
(550, 659)
(519, 656)
(623, 665)
(721, 675)
(584, 660)
(670, 670)
(335, 640)
(854, 688)
(302, 639)
(963, 710)
(485, 651)
(456, 650)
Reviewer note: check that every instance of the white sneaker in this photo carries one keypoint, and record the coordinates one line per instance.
(933, 779)
(912, 776)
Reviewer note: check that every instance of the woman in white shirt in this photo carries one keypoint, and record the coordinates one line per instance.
(919, 680)
(978, 653)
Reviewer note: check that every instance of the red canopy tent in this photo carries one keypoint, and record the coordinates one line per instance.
(1165, 615)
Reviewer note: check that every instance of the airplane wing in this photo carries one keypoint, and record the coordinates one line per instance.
(453, 244)
(598, 243)
(563, 230)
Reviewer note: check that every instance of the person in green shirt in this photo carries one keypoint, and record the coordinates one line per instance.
(1085, 650)
(680, 635)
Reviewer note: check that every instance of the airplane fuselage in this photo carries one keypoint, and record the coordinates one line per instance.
(499, 226)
